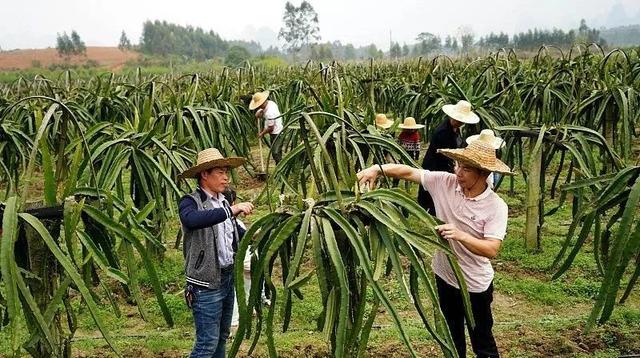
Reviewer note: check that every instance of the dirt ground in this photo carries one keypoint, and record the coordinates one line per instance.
(110, 57)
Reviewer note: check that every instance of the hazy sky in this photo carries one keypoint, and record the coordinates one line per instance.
(34, 23)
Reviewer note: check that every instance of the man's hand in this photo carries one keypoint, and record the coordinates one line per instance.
(451, 232)
(242, 208)
(368, 176)
(487, 247)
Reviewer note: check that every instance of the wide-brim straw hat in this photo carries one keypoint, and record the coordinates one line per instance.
(461, 112)
(410, 123)
(210, 158)
(383, 122)
(258, 99)
(486, 135)
(478, 154)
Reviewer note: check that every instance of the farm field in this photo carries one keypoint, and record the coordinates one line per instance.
(91, 257)
(535, 317)
(110, 57)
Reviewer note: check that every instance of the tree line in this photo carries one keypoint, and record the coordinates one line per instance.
(300, 34)
(70, 45)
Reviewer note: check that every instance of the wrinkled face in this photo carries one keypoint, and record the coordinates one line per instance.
(215, 180)
(468, 176)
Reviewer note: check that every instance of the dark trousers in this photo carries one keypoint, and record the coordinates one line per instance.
(482, 341)
(276, 147)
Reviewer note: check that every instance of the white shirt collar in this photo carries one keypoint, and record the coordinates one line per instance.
(218, 197)
(483, 195)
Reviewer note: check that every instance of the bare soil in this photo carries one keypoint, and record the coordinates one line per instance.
(110, 57)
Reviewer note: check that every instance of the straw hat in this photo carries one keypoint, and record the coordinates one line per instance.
(461, 111)
(210, 158)
(486, 135)
(410, 123)
(479, 154)
(258, 99)
(383, 122)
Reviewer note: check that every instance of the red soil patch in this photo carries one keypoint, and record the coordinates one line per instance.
(110, 57)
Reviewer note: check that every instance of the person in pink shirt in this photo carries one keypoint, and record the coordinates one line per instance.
(475, 224)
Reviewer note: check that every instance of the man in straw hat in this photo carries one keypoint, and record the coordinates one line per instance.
(268, 110)
(446, 135)
(211, 235)
(476, 224)
(497, 143)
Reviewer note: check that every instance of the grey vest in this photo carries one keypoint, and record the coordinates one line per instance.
(200, 251)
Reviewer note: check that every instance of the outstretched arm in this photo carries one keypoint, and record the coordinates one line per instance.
(397, 171)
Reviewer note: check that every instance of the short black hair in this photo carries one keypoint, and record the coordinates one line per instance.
(208, 171)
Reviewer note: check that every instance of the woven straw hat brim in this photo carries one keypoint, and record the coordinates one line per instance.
(415, 126)
(383, 122)
(468, 118)
(475, 159)
(255, 103)
(385, 125)
(192, 173)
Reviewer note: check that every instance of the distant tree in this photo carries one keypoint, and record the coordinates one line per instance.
(622, 35)
(321, 52)
(395, 51)
(325, 53)
(454, 44)
(163, 38)
(583, 29)
(253, 47)
(373, 52)
(349, 52)
(416, 51)
(300, 26)
(272, 51)
(428, 42)
(78, 45)
(124, 43)
(466, 37)
(64, 45)
(588, 35)
(447, 42)
(236, 55)
(314, 53)
(494, 41)
(405, 50)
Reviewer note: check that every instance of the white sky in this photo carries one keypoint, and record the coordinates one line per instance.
(34, 23)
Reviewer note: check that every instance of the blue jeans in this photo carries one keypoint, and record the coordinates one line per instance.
(212, 311)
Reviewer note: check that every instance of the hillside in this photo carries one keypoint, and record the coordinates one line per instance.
(110, 57)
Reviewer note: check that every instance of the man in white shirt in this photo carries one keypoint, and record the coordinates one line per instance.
(269, 111)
